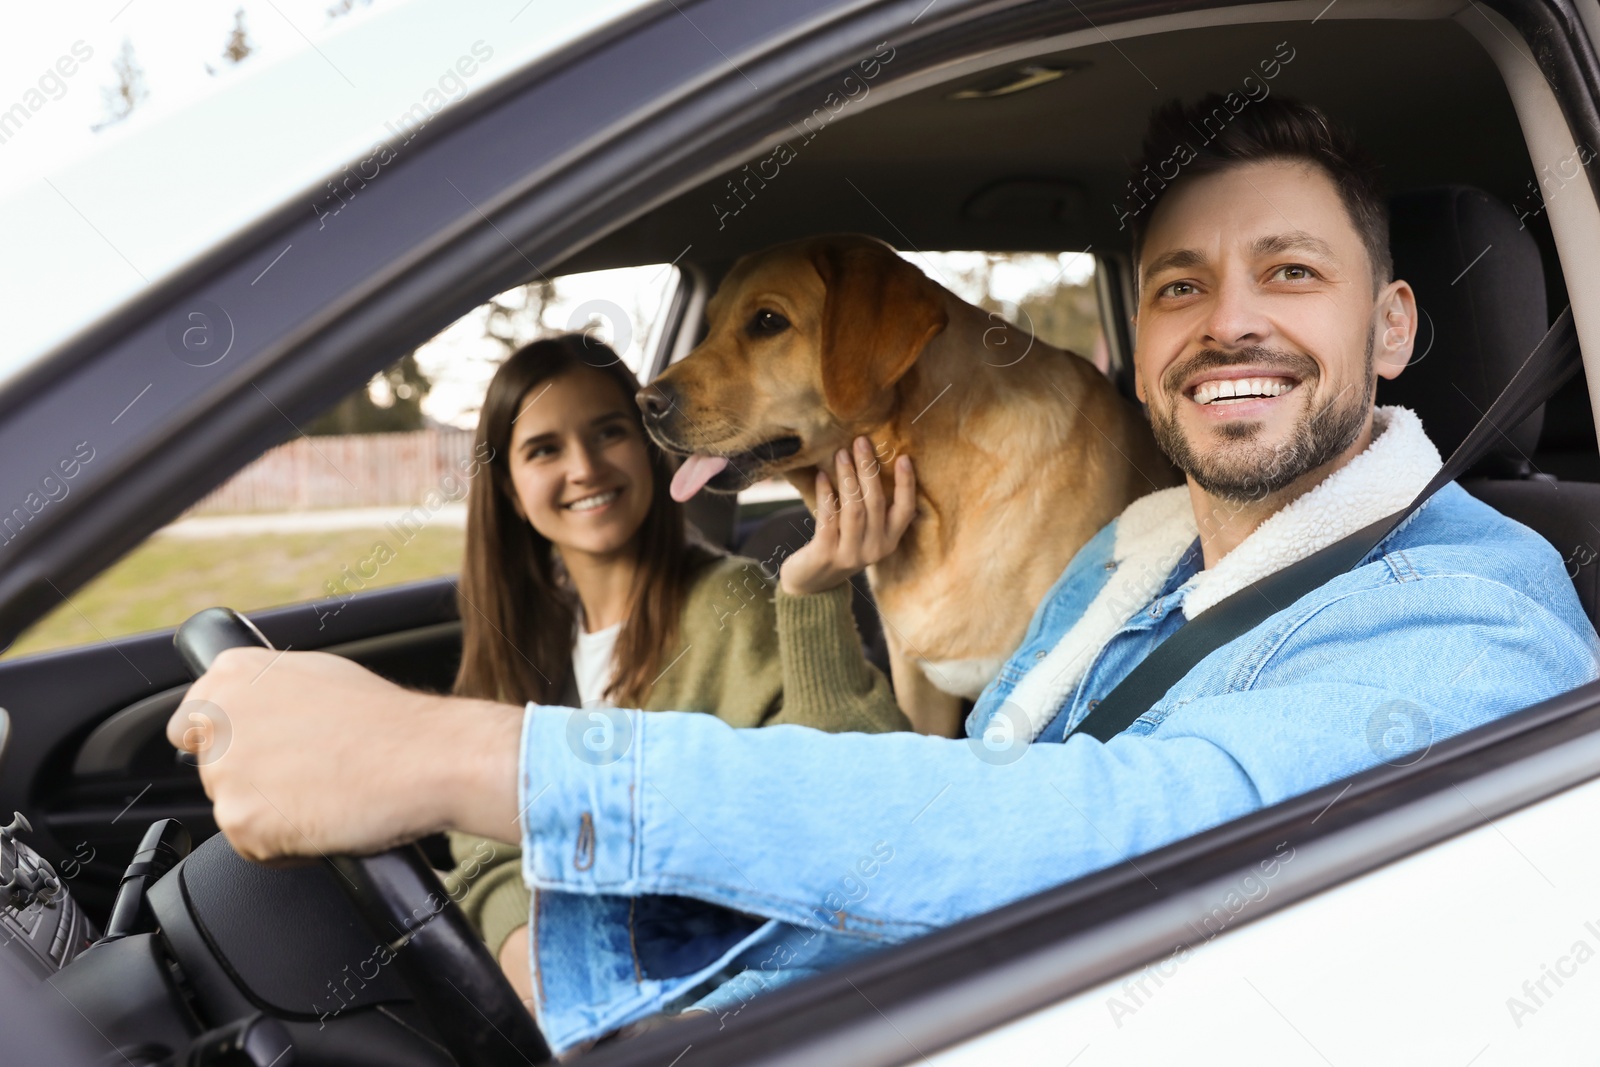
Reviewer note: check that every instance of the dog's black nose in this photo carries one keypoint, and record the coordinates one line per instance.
(655, 400)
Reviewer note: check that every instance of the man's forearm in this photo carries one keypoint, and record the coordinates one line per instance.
(480, 781)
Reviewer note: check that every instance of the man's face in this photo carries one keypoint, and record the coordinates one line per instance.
(1258, 328)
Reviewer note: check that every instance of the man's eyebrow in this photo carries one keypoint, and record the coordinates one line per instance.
(1270, 245)
(1294, 241)
(1177, 258)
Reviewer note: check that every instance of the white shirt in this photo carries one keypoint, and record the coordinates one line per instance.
(593, 663)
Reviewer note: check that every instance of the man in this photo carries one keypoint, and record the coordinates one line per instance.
(697, 862)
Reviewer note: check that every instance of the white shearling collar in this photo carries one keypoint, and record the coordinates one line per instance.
(1156, 530)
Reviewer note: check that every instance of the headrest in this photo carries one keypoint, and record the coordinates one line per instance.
(1481, 301)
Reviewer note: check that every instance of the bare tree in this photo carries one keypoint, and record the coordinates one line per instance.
(340, 8)
(516, 316)
(129, 91)
(239, 46)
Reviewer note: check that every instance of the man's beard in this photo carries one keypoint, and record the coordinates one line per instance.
(1240, 470)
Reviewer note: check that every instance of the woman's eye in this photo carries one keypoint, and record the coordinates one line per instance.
(766, 322)
(541, 451)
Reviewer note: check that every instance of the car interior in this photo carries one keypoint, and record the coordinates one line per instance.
(1026, 157)
(968, 165)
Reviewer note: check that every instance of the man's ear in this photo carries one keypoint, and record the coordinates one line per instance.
(878, 315)
(1396, 322)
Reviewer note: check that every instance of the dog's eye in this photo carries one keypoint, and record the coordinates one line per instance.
(766, 322)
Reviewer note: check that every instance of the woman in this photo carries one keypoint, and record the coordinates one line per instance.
(580, 588)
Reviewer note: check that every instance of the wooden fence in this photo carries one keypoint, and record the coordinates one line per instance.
(354, 471)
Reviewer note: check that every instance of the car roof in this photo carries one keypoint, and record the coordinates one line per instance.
(163, 189)
(928, 165)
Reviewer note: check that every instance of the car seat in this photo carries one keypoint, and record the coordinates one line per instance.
(1481, 297)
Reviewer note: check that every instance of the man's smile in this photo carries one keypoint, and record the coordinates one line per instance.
(1247, 384)
(1239, 392)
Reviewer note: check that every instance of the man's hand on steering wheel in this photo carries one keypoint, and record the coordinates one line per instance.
(305, 754)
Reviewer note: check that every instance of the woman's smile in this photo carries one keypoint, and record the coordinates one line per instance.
(594, 502)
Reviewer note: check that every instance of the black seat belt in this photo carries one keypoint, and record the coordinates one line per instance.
(1548, 367)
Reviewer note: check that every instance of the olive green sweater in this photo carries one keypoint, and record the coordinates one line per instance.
(748, 653)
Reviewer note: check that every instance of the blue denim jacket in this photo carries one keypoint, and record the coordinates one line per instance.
(700, 862)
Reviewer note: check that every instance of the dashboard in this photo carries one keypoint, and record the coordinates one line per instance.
(41, 925)
(206, 958)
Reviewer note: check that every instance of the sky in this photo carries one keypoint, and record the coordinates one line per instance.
(172, 42)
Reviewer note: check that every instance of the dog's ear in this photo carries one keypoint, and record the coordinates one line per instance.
(879, 313)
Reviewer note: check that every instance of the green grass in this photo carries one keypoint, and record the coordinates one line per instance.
(167, 579)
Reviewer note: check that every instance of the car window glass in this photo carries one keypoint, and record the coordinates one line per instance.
(372, 492)
(1050, 293)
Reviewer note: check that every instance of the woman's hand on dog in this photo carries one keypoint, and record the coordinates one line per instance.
(857, 526)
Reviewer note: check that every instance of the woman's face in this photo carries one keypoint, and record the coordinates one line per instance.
(579, 464)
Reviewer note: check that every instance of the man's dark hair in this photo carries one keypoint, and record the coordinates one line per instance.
(1215, 133)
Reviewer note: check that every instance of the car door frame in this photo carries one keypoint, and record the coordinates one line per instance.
(642, 141)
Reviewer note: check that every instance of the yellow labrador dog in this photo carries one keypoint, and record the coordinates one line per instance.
(1022, 451)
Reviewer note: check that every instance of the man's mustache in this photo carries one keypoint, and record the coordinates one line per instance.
(1293, 364)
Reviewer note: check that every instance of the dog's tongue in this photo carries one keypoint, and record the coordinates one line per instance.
(696, 471)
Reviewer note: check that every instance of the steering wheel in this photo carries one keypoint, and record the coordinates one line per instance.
(441, 958)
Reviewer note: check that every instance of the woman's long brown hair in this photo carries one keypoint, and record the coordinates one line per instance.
(518, 610)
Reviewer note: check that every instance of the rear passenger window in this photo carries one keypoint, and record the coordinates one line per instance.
(1051, 294)
(626, 308)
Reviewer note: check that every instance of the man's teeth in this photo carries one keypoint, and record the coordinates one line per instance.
(1226, 389)
(599, 500)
